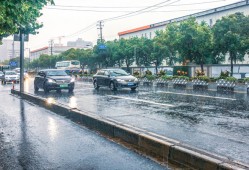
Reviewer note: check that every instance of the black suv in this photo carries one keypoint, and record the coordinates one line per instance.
(53, 79)
(114, 79)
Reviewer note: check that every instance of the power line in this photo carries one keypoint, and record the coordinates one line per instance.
(136, 12)
(125, 11)
(130, 7)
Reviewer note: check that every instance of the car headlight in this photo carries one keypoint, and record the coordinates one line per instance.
(120, 80)
(72, 80)
(51, 81)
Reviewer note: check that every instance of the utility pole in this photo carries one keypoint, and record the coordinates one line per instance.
(100, 27)
(51, 43)
(21, 61)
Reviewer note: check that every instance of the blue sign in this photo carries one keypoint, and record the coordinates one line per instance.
(13, 63)
(102, 47)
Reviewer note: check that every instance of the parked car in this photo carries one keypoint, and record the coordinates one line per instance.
(10, 76)
(1, 75)
(114, 79)
(53, 79)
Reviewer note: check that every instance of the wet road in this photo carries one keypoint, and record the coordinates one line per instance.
(34, 138)
(215, 122)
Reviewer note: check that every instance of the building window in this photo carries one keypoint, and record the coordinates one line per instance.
(142, 35)
(150, 35)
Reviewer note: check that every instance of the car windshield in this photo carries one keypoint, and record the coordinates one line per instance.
(57, 73)
(75, 63)
(10, 73)
(118, 72)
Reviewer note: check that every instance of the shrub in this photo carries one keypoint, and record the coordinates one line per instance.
(165, 77)
(231, 79)
(161, 73)
(203, 78)
(148, 72)
(246, 80)
(150, 77)
(199, 73)
(136, 74)
(181, 77)
(181, 73)
(224, 74)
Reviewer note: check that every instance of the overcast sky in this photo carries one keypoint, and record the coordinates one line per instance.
(70, 18)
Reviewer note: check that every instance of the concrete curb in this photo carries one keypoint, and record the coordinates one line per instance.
(156, 146)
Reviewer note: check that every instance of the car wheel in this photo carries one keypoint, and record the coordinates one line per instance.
(95, 85)
(46, 90)
(133, 88)
(70, 90)
(112, 86)
(36, 88)
(4, 82)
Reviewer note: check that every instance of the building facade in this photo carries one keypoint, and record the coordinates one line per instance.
(9, 49)
(59, 48)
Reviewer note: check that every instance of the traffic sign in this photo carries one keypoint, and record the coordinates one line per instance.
(13, 63)
(102, 46)
(17, 37)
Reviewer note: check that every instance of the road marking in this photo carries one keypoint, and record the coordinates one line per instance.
(140, 100)
(196, 95)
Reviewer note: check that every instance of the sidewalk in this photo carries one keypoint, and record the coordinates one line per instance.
(34, 138)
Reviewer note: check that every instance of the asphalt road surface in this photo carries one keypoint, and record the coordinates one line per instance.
(215, 122)
(34, 138)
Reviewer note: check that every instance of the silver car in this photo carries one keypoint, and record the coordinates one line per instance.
(10, 76)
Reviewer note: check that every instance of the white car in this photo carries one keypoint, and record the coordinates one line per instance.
(1, 75)
(10, 76)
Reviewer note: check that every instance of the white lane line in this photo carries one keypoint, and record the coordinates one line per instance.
(140, 100)
(196, 95)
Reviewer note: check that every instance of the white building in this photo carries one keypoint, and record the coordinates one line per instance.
(209, 16)
(9, 49)
(59, 48)
(79, 43)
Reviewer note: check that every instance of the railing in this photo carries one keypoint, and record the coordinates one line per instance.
(179, 83)
(162, 83)
(223, 85)
(199, 84)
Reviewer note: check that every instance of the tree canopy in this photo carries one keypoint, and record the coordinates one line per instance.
(231, 36)
(20, 15)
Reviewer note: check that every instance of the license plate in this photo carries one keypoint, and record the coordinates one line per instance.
(130, 84)
(64, 85)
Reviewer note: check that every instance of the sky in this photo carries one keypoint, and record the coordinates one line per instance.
(69, 20)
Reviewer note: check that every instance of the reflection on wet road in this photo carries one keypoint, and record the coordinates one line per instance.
(208, 120)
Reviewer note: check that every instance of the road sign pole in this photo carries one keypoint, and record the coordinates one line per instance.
(21, 61)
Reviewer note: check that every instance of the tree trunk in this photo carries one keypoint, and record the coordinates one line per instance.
(202, 69)
(156, 68)
(231, 58)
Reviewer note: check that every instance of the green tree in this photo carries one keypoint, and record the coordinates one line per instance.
(168, 38)
(20, 15)
(194, 42)
(231, 37)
